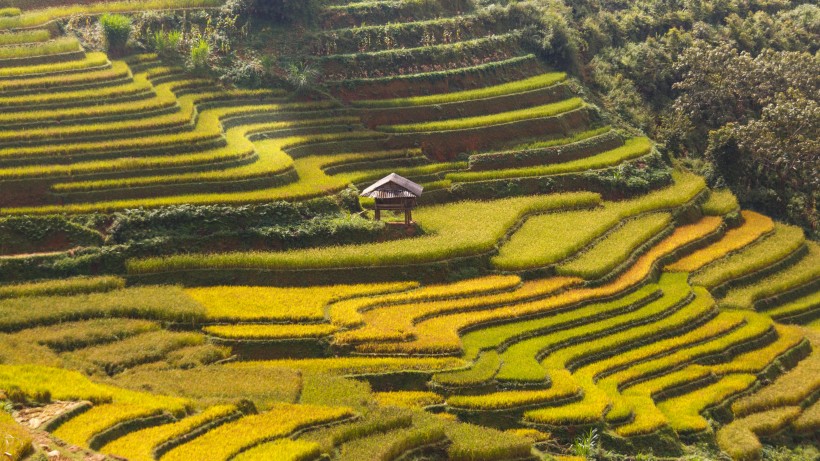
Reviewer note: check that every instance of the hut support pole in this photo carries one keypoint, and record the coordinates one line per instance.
(407, 216)
(378, 214)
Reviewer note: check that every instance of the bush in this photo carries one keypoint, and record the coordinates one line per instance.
(166, 43)
(200, 53)
(116, 29)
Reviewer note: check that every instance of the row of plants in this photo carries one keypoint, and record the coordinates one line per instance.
(526, 249)
(91, 61)
(784, 241)
(39, 17)
(804, 272)
(452, 233)
(56, 46)
(27, 36)
(442, 333)
(548, 110)
(630, 150)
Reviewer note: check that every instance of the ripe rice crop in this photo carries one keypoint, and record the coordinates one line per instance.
(740, 437)
(38, 17)
(16, 441)
(265, 386)
(31, 101)
(616, 247)
(632, 148)
(754, 226)
(228, 440)
(788, 337)
(271, 303)
(60, 384)
(396, 322)
(521, 360)
(139, 445)
(784, 241)
(481, 370)
(809, 421)
(442, 333)
(518, 86)
(692, 312)
(348, 312)
(80, 429)
(721, 202)
(282, 450)
(393, 444)
(64, 287)
(496, 336)
(807, 270)
(547, 110)
(26, 36)
(408, 399)
(74, 335)
(589, 409)
(117, 70)
(155, 303)
(59, 45)
(251, 331)
(563, 387)
(791, 388)
(683, 412)
(577, 137)
(374, 421)
(477, 443)
(452, 231)
(91, 60)
(144, 348)
(527, 248)
(9, 12)
(358, 365)
(797, 307)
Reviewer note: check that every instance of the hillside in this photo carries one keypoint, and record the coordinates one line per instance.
(188, 272)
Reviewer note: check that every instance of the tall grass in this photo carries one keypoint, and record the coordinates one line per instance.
(547, 110)
(56, 46)
(452, 231)
(518, 86)
(26, 36)
(38, 17)
(632, 148)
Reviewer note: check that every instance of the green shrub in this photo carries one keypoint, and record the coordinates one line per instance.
(116, 29)
(200, 54)
(166, 43)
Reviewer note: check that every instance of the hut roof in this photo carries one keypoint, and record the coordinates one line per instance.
(393, 186)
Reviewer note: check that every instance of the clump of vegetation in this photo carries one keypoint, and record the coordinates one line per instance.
(116, 29)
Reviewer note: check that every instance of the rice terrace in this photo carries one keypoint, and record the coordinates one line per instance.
(409, 230)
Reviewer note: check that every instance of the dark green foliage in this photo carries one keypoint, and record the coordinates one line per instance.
(286, 11)
(30, 234)
(116, 29)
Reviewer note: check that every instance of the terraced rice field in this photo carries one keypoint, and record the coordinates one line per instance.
(536, 300)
